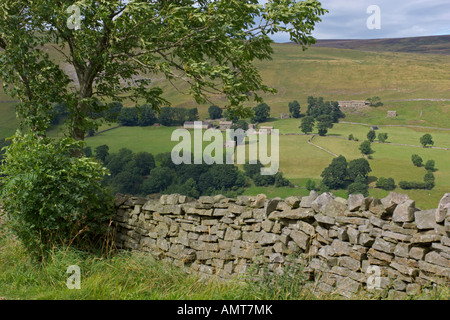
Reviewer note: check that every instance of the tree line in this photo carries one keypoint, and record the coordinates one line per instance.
(321, 114)
(143, 173)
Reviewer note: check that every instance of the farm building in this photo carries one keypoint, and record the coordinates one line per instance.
(191, 125)
(392, 114)
(353, 103)
(224, 125)
(265, 130)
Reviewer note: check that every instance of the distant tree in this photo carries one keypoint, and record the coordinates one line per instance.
(59, 113)
(128, 117)
(310, 185)
(240, 124)
(262, 113)
(417, 160)
(358, 167)
(145, 162)
(146, 116)
(166, 116)
(160, 178)
(230, 116)
(112, 111)
(165, 160)
(127, 182)
(88, 152)
(324, 122)
(371, 135)
(281, 181)
(294, 109)
(429, 180)
(101, 152)
(382, 137)
(336, 112)
(375, 101)
(426, 139)
(215, 112)
(91, 132)
(387, 184)
(429, 165)
(351, 137)
(335, 174)
(307, 124)
(366, 148)
(252, 170)
(192, 114)
(264, 181)
(189, 188)
(359, 187)
(243, 125)
(120, 161)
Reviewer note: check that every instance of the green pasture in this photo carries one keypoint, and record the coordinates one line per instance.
(300, 161)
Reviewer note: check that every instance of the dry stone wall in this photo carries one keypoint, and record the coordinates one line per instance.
(351, 244)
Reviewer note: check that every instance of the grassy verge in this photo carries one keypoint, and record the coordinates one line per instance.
(137, 276)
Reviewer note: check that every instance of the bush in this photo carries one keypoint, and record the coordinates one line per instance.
(294, 109)
(310, 185)
(429, 178)
(382, 137)
(160, 178)
(387, 184)
(264, 181)
(365, 148)
(371, 135)
(429, 165)
(51, 197)
(417, 160)
(359, 187)
(407, 185)
(253, 170)
(281, 181)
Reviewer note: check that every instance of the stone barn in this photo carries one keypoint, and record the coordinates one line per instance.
(392, 114)
(352, 103)
(224, 125)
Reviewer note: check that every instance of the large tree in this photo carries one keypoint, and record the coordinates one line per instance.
(104, 50)
(336, 173)
(426, 139)
(307, 124)
(262, 113)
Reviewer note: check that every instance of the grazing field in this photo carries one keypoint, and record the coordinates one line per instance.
(340, 74)
(335, 74)
(300, 161)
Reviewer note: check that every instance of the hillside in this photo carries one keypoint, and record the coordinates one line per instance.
(430, 45)
(340, 74)
(335, 74)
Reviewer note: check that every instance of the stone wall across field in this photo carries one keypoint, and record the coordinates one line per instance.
(351, 244)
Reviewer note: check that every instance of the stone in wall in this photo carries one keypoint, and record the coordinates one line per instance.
(341, 241)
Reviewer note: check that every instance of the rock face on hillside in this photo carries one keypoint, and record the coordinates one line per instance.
(359, 243)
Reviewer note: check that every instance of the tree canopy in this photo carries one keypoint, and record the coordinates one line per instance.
(262, 113)
(426, 139)
(119, 46)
